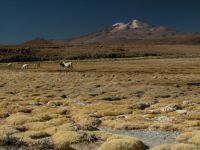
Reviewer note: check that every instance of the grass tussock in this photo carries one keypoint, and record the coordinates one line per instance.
(62, 128)
(194, 116)
(37, 126)
(121, 124)
(7, 130)
(189, 137)
(20, 119)
(102, 135)
(123, 143)
(175, 147)
(193, 123)
(62, 138)
(32, 135)
(89, 123)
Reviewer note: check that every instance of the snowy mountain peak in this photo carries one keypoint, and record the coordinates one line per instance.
(137, 24)
(134, 29)
(120, 26)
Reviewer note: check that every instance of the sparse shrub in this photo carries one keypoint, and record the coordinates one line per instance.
(141, 105)
(90, 123)
(102, 135)
(139, 93)
(9, 141)
(88, 137)
(63, 96)
(163, 96)
(113, 98)
(43, 144)
(4, 115)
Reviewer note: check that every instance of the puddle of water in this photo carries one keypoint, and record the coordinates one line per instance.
(150, 138)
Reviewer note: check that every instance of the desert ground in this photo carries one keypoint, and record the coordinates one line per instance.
(110, 104)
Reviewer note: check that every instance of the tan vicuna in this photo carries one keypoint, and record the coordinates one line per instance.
(36, 66)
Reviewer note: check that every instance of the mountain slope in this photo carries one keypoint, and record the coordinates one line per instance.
(38, 41)
(126, 31)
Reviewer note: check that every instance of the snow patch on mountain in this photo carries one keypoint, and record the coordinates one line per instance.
(137, 24)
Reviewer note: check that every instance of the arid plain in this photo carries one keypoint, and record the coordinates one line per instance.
(95, 103)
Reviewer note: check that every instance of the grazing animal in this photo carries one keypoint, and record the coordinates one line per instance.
(36, 65)
(24, 66)
(66, 65)
(9, 65)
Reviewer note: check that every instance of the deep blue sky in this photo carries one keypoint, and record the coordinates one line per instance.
(22, 20)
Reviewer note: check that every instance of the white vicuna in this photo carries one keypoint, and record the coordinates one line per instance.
(66, 65)
(24, 66)
(9, 65)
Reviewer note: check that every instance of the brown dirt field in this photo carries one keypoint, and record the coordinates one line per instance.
(150, 94)
(37, 52)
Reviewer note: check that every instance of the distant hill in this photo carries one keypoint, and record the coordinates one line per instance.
(137, 31)
(121, 40)
(126, 31)
(38, 41)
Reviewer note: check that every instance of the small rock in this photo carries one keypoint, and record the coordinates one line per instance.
(181, 111)
(153, 112)
(63, 96)
(82, 103)
(88, 137)
(188, 103)
(36, 103)
(4, 115)
(54, 103)
(25, 110)
(177, 86)
(141, 106)
(121, 117)
(193, 84)
(155, 77)
(170, 108)
(164, 119)
(62, 111)
(163, 96)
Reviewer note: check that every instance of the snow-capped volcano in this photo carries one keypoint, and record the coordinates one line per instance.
(120, 26)
(135, 24)
(134, 29)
